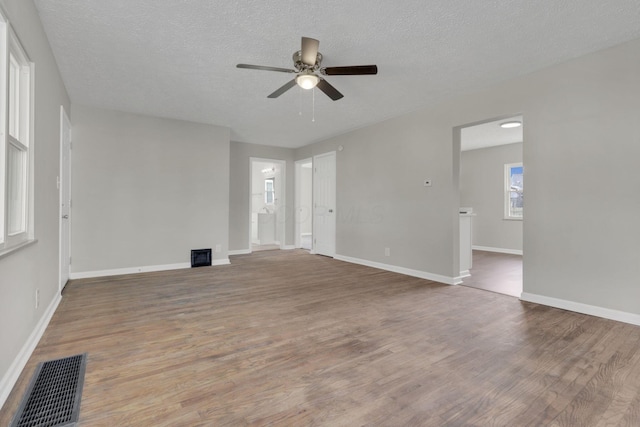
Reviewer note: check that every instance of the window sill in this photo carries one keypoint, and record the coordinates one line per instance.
(8, 251)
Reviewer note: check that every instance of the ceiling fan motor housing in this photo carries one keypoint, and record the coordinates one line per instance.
(301, 66)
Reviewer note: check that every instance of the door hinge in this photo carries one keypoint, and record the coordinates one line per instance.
(69, 260)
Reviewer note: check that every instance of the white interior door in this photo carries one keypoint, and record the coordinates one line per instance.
(324, 204)
(65, 197)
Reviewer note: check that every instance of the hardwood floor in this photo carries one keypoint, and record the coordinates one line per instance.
(496, 272)
(285, 338)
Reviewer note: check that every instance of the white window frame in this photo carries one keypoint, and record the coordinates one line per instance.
(16, 137)
(508, 211)
(268, 191)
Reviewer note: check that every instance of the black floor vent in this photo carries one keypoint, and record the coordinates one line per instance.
(53, 396)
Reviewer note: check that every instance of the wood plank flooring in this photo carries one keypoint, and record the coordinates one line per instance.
(284, 338)
(496, 272)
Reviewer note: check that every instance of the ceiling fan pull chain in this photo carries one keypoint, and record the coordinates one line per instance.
(313, 118)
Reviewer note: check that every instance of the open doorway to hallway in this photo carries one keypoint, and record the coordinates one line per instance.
(492, 205)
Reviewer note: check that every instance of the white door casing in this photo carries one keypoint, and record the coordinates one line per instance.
(324, 204)
(64, 182)
(303, 212)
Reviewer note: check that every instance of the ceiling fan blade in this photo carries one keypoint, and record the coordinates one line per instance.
(261, 67)
(352, 70)
(283, 89)
(329, 90)
(309, 51)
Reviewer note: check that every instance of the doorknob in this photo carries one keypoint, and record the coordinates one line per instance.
(330, 210)
(65, 216)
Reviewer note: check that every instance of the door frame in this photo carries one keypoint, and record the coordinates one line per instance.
(335, 201)
(62, 239)
(298, 196)
(280, 236)
(457, 167)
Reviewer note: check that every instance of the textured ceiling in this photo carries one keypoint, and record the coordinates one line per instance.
(176, 58)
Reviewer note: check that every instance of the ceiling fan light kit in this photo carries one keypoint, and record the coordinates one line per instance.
(307, 80)
(307, 66)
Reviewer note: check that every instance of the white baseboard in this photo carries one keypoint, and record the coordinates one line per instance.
(288, 247)
(592, 310)
(12, 375)
(499, 250)
(402, 270)
(240, 252)
(143, 269)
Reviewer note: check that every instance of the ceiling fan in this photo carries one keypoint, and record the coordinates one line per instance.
(307, 65)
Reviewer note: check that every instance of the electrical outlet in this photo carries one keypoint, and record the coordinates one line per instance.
(218, 248)
(387, 251)
(37, 298)
(427, 183)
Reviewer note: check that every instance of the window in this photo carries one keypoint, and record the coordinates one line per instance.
(16, 103)
(514, 189)
(269, 192)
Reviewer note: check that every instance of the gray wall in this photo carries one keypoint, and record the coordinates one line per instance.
(240, 191)
(482, 188)
(146, 190)
(381, 200)
(36, 266)
(581, 148)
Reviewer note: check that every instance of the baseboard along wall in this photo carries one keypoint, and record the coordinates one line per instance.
(9, 380)
(143, 269)
(498, 250)
(402, 270)
(592, 310)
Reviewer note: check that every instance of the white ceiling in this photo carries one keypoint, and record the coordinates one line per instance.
(176, 58)
(490, 134)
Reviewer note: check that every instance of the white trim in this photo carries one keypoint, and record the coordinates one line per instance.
(6, 251)
(592, 310)
(402, 270)
(458, 280)
(298, 196)
(240, 252)
(465, 273)
(287, 247)
(64, 120)
(14, 371)
(143, 269)
(314, 229)
(498, 250)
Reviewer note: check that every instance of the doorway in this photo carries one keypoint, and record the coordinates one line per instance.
(267, 216)
(64, 186)
(304, 205)
(491, 204)
(324, 204)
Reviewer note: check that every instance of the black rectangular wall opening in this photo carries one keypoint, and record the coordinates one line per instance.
(200, 257)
